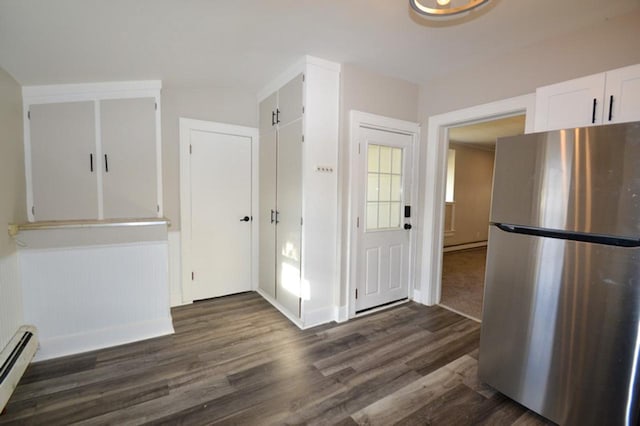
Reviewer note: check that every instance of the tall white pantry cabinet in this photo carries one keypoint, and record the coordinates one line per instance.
(92, 151)
(298, 211)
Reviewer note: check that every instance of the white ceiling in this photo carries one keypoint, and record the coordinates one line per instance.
(233, 43)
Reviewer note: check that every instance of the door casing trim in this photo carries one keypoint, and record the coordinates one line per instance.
(186, 126)
(358, 120)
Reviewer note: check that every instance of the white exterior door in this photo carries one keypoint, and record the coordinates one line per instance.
(220, 243)
(384, 236)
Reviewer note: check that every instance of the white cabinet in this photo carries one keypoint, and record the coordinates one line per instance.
(298, 213)
(606, 98)
(92, 151)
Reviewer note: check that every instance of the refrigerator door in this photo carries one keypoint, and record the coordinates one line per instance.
(560, 327)
(580, 180)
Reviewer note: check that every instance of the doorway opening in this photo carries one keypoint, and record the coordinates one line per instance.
(469, 182)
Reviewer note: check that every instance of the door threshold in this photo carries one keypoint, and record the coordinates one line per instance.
(455, 311)
(382, 307)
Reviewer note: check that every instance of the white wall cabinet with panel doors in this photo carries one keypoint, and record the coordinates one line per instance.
(92, 151)
(298, 213)
(605, 98)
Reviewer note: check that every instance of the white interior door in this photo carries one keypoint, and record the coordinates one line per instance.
(383, 240)
(289, 217)
(220, 168)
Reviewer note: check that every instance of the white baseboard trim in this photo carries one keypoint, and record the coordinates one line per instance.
(279, 307)
(341, 313)
(104, 338)
(417, 296)
(319, 317)
(464, 246)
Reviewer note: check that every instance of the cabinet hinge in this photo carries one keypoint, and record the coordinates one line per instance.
(357, 222)
(29, 115)
(193, 275)
(356, 293)
(190, 149)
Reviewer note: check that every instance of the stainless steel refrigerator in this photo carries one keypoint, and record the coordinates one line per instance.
(560, 324)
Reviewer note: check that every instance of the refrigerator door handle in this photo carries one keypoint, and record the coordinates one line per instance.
(609, 240)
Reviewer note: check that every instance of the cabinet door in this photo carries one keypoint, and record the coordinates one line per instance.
(290, 101)
(267, 207)
(63, 161)
(289, 229)
(574, 103)
(129, 164)
(623, 95)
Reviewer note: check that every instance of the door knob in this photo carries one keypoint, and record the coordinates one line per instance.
(407, 226)
(245, 219)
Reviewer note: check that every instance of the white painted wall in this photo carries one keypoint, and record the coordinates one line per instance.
(12, 203)
(598, 48)
(365, 91)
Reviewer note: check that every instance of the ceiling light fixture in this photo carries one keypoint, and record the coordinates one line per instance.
(444, 8)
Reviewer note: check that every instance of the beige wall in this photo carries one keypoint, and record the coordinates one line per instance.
(213, 104)
(362, 90)
(13, 204)
(472, 194)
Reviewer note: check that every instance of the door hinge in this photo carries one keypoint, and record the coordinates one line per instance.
(303, 109)
(300, 221)
(156, 105)
(193, 276)
(356, 293)
(357, 222)
(302, 138)
(358, 148)
(29, 115)
(33, 210)
(158, 208)
(190, 149)
(299, 307)
(303, 77)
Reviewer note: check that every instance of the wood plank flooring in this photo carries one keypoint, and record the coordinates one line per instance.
(236, 360)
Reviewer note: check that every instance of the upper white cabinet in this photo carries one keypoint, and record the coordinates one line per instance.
(611, 97)
(298, 205)
(92, 151)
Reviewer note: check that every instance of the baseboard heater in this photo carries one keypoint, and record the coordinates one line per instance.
(14, 360)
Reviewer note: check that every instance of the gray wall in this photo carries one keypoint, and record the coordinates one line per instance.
(364, 91)
(212, 104)
(13, 204)
(472, 194)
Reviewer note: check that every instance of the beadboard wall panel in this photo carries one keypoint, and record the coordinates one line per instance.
(86, 298)
(10, 298)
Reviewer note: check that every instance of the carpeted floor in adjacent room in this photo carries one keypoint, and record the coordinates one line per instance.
(463, 280)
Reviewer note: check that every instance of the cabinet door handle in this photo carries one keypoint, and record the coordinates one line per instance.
(593, 112)
(272, 216)
(91, 162)
(277, 115)
(273, 118)
(106, 163)
(277, 217)
(610, 107)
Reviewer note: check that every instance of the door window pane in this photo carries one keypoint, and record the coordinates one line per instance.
(384, 187)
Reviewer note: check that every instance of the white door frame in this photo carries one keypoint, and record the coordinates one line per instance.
(186, 126)
(358, 120)
(435, 180)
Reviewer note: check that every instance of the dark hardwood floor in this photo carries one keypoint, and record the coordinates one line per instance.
(236, 360)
